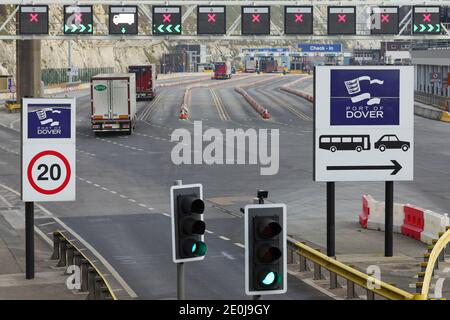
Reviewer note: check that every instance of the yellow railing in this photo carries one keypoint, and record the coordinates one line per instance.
(357, 277)
(111, 292)
(440, 245)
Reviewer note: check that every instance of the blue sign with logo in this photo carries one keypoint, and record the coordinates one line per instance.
(265, 50)
(318, 48)
(365, 97)
(49, 121)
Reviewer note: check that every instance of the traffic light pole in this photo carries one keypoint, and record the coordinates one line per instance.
(260, 200)
(181, 279)
(181, 288)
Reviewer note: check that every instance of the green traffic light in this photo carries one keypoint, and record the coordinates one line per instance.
(269, 278)
(198, 248)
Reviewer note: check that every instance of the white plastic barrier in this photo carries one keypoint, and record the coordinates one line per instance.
(433, 224)
(377, 215)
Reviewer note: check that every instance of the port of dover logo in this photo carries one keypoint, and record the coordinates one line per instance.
(365, 97)
(48, 122)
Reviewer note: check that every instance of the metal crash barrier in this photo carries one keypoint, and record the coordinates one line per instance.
(351, 275)
(436, 253)
(91, 279)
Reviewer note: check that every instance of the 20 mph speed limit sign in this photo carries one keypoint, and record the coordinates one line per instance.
(48, 150)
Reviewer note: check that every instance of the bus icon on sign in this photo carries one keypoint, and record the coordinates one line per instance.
(344, 142)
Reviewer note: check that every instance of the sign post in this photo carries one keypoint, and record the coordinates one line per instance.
(363, 131)
(48, 159)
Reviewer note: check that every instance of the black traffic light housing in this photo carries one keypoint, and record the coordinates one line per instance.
(265, 249)
(188, 226)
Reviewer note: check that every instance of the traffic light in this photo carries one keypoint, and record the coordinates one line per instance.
(188, 227)
(265, 249)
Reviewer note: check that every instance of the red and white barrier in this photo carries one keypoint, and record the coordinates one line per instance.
(298, 93)
(255, 105)
(414, 222)
(433, 224)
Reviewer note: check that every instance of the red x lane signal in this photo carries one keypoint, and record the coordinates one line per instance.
(385, 18)
(211, 17)
(166, 17)
(342, 18)
(256, 18)
(426, 17)
(299, 18)
(34, 17)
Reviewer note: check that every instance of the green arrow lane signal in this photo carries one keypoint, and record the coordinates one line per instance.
(430, 28)
(90, 27)
(74, 28)
(82, 27)
(161, 28)
(169, 28)
(438, 27)
(177, 28)
(66, 27)
(415, 27)
(123, 30)
(422, 27)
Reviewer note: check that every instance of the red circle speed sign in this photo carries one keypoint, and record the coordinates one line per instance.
(60, 187)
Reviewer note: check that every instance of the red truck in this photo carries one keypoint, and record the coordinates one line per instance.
(145, 81)
(222, 70)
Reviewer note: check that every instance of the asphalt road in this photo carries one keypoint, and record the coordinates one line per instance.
(123, 186)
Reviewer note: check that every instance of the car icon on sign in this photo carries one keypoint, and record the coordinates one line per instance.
(391, 141)
(126, 18)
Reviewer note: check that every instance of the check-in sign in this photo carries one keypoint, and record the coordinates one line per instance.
(364, 123)
(48, 149)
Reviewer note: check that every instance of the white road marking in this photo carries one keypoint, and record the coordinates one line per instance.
(239, 245)
(224, 238)
(228, 256)
(108, 266)
(208, 231)
(143, 205)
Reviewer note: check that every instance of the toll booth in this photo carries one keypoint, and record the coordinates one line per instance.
(432, 68)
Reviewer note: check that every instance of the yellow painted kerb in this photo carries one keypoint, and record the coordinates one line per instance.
(445, 116)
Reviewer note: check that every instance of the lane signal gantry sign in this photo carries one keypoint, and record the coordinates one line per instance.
(341, 20)
(123, 20)
(33, 19)
(384, 20)
(48, 149)
(211, 20)
(298, 20)
(167, 20)
(255, 20)
(78, 19)
(426, 20)
(364, 123)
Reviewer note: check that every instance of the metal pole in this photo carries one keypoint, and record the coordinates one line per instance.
(389, 220)
(181, 283)
(181, 288)
(331, 219)
(29, 240)
(69, 56)
(258, 296)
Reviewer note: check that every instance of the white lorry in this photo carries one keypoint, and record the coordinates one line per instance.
(113, 102)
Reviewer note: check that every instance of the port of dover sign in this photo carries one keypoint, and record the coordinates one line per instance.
(48, 149)
(364, 123)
